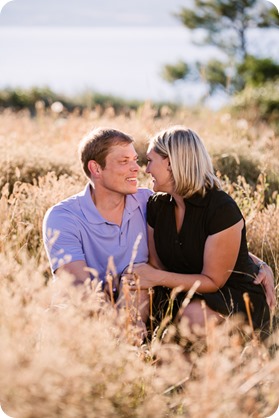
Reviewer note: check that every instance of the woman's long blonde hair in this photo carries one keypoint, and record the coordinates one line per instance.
(190, 162)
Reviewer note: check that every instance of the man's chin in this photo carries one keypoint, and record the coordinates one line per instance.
(134, 190)
(131, 190)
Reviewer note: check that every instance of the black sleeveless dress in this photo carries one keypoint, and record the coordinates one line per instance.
(183, 252)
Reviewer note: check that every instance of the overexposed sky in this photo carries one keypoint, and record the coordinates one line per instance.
(116, 47)
(91, 13)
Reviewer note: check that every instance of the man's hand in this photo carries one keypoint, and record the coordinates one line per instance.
(265, 278)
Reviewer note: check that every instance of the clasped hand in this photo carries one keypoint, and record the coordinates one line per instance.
(145, 276)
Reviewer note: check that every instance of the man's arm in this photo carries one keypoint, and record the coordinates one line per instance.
(63, 244)
(265, 278)
(77, 269)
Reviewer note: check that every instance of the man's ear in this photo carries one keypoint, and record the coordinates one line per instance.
(94, 168)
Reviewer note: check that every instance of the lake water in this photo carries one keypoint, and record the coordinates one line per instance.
(121, 61)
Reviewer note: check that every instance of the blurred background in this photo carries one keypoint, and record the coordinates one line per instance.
(121, 48)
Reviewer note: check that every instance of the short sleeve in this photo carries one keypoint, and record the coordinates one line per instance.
(61, 238)
(223, 217)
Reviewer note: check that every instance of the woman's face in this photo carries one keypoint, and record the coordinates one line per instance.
(160, 170)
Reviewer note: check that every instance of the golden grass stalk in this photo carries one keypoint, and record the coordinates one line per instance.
(248, 310)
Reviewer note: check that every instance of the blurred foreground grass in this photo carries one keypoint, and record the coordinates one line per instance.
(63, 356)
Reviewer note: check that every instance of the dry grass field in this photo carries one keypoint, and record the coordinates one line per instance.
(66, 356)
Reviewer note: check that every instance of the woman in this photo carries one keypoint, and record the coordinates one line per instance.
(196, 233)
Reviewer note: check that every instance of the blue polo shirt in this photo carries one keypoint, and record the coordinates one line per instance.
(74, 230)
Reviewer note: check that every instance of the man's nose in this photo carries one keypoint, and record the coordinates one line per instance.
(135, 166)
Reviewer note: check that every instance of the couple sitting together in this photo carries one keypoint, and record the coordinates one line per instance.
(192, 231)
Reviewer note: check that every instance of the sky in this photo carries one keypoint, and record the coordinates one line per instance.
(65, 45)
(91, 13)
(116, 47)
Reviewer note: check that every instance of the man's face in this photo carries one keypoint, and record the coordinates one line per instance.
(121, 170)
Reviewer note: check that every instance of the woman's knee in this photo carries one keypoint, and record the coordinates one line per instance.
(198, 313)
(194, 313)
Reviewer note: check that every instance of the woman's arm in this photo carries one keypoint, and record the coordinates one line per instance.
(154, 260)
(220, 255)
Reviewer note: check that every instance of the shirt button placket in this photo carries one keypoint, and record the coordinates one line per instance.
(122, 238)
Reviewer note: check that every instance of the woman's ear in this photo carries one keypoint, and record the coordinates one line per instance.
(94, 168)
(169, 166)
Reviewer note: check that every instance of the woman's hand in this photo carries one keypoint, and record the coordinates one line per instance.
(266, 279)
(146, 275)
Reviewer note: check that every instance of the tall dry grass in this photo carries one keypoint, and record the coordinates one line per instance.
(66, 354)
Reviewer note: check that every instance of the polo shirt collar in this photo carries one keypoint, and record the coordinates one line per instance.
(131, 203)
(91, 213)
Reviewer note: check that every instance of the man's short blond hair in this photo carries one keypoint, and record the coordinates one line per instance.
(96, 146)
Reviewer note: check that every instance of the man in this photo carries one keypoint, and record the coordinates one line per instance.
(108, 216)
